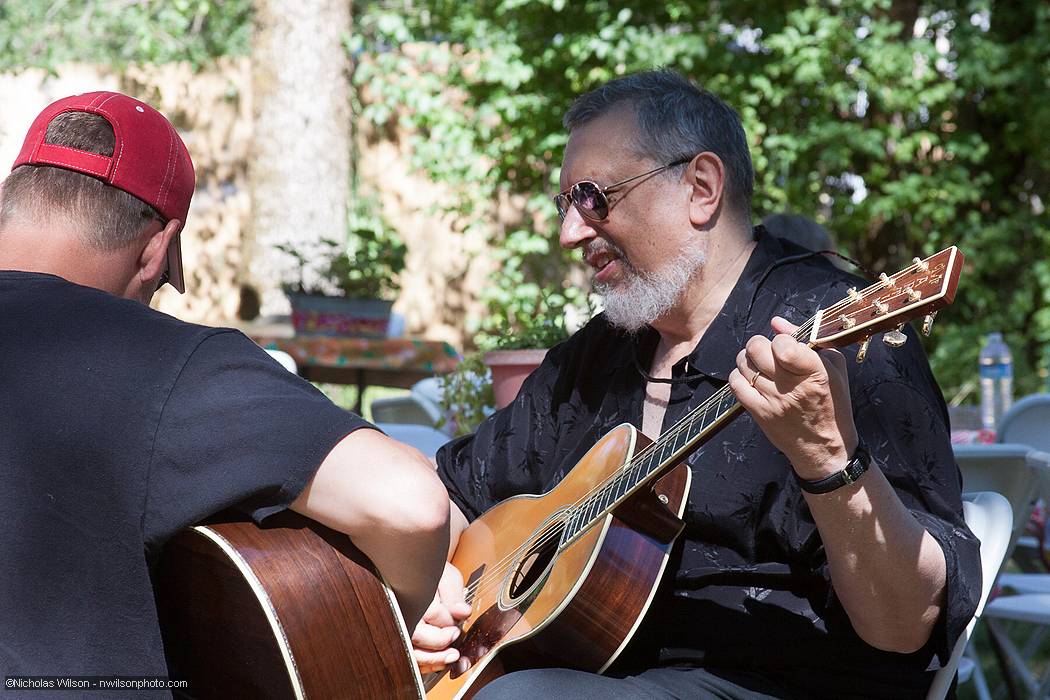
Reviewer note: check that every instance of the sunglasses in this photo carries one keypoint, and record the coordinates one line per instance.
(592, 201)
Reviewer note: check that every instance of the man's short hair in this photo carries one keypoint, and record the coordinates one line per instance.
(107, 217)
(676, 119)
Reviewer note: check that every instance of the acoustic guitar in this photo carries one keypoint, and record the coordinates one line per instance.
(559, 579)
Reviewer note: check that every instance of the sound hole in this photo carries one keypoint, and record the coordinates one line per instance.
(536, 562)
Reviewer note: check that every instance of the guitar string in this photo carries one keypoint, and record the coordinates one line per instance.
(496, 573)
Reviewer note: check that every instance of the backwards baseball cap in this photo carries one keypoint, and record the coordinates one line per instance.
(149, 159)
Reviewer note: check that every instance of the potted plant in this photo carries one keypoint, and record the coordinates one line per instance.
(466, 396)
(517, 354)
(521, 341)
(347, 289)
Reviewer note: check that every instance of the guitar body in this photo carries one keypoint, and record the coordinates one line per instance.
(574, 608)
(290, 611)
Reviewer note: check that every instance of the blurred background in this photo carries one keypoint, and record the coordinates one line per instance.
(425, 135)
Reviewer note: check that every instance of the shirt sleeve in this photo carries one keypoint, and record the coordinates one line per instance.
(901, 416)
(237, 430)
(514, 450)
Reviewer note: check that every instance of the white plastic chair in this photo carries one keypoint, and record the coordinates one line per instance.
(990, 517)
(1015, 471)
(1027, 422)
(421, 406)
(1018, 472)
(1031, 608)
(425, 439)
(286, 360)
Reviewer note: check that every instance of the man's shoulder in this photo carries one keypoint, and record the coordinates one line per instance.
(37, 301)
(597, 334)
(595, 350)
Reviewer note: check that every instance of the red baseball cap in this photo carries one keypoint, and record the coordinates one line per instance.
(149, 159)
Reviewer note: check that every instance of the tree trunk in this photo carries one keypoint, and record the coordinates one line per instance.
(300, 165)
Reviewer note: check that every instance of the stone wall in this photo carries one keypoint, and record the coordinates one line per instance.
(212, 109)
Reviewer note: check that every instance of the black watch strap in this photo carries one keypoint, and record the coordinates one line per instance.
(854, 469)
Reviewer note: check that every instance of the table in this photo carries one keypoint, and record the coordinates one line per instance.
(397, 362)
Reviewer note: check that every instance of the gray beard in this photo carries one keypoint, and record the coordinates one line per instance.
(642, 297)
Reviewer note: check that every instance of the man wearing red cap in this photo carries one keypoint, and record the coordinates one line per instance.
(121, 425)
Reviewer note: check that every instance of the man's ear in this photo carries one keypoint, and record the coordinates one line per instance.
(707, 176)
(153, 260)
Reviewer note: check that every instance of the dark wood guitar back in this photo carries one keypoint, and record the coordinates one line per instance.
(290, 611)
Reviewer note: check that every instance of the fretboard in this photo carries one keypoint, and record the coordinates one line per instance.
(677, 443)
(657, 459)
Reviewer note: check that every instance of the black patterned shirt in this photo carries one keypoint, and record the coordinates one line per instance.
(748, 584)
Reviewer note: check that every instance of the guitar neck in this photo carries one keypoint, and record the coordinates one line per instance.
(921, 288)
(651, 463)
(654, 461)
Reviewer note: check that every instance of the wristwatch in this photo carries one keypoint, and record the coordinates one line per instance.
(854, 469)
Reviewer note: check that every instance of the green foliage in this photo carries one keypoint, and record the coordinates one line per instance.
(540, 326)
(902, 126)
(466, 395)
(44, 34)
(363, 266)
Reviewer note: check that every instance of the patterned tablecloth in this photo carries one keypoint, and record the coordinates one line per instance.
(387, 362)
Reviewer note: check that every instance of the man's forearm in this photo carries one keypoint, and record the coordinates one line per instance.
(886, 569)
(457, 523)
(411, 564)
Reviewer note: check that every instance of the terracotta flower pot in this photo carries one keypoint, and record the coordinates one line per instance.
(509, 369)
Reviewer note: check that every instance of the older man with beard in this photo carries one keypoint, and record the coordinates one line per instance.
(788, 580)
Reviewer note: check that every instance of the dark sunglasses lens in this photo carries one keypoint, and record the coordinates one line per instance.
(562, 203)
(590, 200)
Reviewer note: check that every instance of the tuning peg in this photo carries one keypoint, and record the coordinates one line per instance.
(927, 323)
(895, 338)
(863, 351)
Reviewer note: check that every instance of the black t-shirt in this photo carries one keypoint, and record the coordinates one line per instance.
(119, 426)
(748, 584)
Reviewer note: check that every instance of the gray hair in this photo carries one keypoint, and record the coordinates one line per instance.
(108, 218)
(676, 119)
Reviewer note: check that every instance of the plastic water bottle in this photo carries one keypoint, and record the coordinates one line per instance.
(997, 378)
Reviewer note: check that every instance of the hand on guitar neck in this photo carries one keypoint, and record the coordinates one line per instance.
(800, 398)
(886, 569)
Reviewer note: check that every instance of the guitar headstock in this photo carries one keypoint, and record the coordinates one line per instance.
(920, 289)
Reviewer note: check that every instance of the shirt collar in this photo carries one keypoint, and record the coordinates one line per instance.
(715, 354)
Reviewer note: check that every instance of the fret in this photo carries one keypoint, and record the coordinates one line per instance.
(696, 424)
(623, 483)
(665, 453)
(681, 437)
(603, 496)
(638, 471)
(571, 526)
(727, 402)
(707, 417)
(590, 511)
